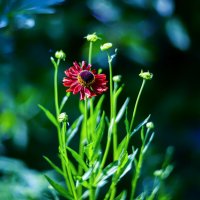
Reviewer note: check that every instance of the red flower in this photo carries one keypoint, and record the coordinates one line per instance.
(84, 80)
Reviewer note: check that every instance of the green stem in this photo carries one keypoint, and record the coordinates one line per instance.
(137, 170)
(115, 124)
(92, 191)
(90, 53)
(136, 105)
(65, 159)
(112, 107)
(85, 121)
(105, 153)
(111, 87)
(61, 134)
(56, 87)
(92, 118)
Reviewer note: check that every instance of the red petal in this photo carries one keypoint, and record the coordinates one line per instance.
(77, 89)
(82, 94)
(89, 93)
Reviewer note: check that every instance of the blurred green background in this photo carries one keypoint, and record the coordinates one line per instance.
(157, 35)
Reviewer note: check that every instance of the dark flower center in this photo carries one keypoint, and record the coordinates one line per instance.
(86, 78)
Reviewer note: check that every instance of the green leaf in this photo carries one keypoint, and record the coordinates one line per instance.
(99, 133)
(81, 107)
(53, 165)
(99, 105)
(49, 115)
(117, 93)
(122, 195)
(74, 128)
(122, 146)
(140, 125)
(59, 188)
(78, 158)
(126, 122)
(110, 128)
(122, 110)
(64, 100)
(83, 180)
(89, 149)
(128, 164)
(108, 171)
(147, 145)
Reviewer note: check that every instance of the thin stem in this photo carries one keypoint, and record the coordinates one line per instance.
(92, 191)
(65, 159)
(136, 105)
(115, 124)
(90, 53)
(86, 119)
(112, 107)
(105, 153)
(111, 87)
(56, 87)
(137, 170)
(61, 135)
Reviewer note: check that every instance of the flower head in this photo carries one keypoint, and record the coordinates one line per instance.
(84, 80)
(60, 55)
(92, 37)
(105, 46)
(146, 75)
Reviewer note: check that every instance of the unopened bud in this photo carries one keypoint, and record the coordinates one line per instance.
(105, 46)
(92, 37)
(150, 125)
(146, 75)
(60, 55)
(117, 78)
(63, 117)
(158, 173)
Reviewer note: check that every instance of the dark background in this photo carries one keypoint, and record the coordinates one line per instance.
(161, 36)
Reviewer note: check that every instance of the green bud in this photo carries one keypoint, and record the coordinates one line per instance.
(105, 46)
(63, 117)
(60, 55)
(117, 78)
(158, 173)
(146, 75)
(92, 37)
(150, 125)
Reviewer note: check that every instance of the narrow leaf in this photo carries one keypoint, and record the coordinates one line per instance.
(78, 158)
(128, 165)
(64, 100)
(99, 104)
(126, 122)
(122, 195)
(121, 146)
(107, 172)
(59, 188)
(122, 110)
(147, 145)
(99, 132)
(49, 115)
(53, 165)
(140, 125)
(71, 132)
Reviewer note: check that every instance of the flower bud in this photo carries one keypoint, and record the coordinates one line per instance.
(63, 117)
(146, 75)
(150, 125)
(60, 55)
(117, 78)
(92, 37)
(158, 173)
(105, 46)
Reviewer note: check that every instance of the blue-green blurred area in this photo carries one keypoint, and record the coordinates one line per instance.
(157, 35)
